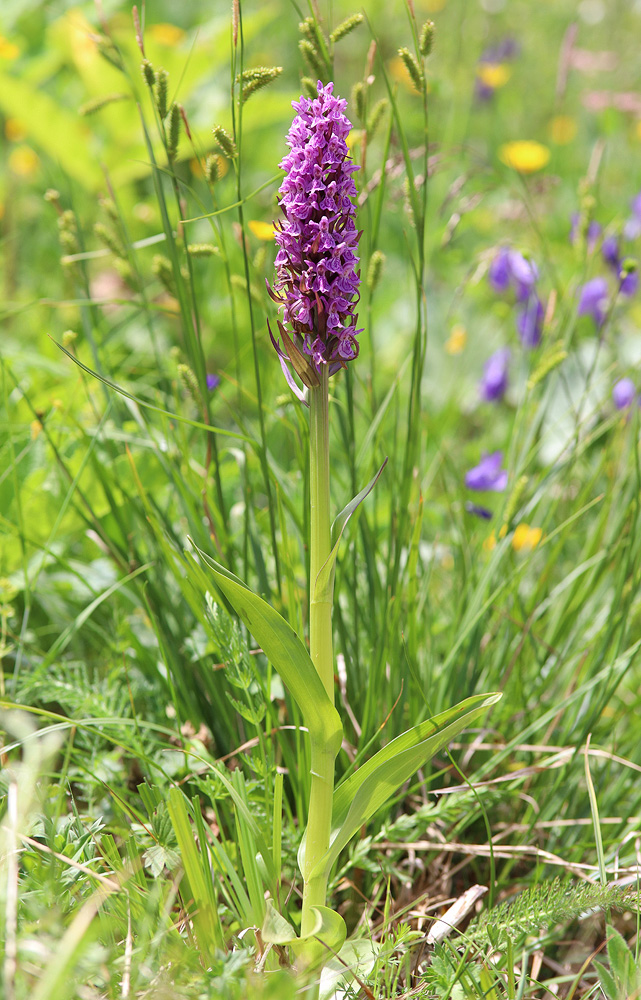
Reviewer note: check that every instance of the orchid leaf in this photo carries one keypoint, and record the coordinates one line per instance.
(284, 649)
(325, 579)
(367, 789)
(325, 941)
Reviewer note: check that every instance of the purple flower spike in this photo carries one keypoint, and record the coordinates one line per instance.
(495, 375)
(488, 474)
(623, 393)
(593, 300)
(213, 381)
(317, 283)
(529, 322)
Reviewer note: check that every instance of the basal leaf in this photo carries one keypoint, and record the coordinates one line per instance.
(326, 940)
(366, 790)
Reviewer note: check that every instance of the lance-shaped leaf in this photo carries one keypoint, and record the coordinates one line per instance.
(325, 580)
(286, 652)
(366, 790)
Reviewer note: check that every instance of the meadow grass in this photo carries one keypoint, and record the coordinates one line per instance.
(155, 772)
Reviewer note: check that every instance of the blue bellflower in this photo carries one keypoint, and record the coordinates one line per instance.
(488, 474)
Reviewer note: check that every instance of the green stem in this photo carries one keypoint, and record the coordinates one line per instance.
(320, 647)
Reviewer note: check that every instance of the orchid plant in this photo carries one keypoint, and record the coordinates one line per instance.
(317, 289)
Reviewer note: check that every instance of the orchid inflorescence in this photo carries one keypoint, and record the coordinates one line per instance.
(317, 282)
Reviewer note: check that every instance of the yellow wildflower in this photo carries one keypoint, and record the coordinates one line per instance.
(7, 49)
(262, 230)
(354, 138)
(14, 130)
(562, 129)
(23, 161)
(36, 428)
(169, 35)
(456, 340)
(490, 543)
(526, 538)
(524, 155)
(493, 75)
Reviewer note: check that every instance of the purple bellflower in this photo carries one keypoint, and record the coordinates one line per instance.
(628, 280)
(213, 381)
(593, 300)
(500, 270)
(495, 375)
(623, 393)
(529, 321)
(317, 280)
(488, 474)
(610, 252)
(510, 268)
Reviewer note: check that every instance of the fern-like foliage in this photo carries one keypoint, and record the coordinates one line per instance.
(542, 906)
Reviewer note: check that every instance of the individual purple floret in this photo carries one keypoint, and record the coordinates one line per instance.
(213, 381)
(623, 393)
(529, 321)
(488, 474)
(593, 300)
(592, 235)
(317, 280)
(495, 375)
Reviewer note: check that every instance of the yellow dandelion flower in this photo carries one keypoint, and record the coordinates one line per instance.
(23, 161)
(457, 340)
(562, 129)
(493, 75)
(262, 230)
(7, 49)
(168, 35)
(524, 155)
(14, 130)
(526, 538)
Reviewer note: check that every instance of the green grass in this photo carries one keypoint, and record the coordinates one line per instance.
(155, 777)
